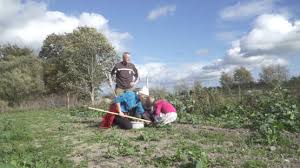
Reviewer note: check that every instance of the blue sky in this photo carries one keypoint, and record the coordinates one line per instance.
(170, 41)
(172, 38)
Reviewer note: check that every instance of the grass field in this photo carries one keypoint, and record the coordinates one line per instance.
(66, 138)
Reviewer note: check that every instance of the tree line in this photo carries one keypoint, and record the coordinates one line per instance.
(270, 75)
(68, 64)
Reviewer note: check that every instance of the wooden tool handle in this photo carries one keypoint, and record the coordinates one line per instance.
(92, 108)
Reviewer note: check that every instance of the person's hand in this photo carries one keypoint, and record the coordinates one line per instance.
(121, 114)
(157, 119)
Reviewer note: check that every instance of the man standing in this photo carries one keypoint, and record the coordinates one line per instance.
(126, 75)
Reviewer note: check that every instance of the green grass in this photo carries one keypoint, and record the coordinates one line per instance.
(33, 139)
(70, 138)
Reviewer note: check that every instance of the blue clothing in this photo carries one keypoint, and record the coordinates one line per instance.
(129, 100)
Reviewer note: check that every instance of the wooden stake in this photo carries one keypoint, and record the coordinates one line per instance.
(91, 108)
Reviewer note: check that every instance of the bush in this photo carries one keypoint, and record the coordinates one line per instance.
(187, 118)
(201, 101)
(267, 112)
(3, 106)
(235, 116)
(273, 112)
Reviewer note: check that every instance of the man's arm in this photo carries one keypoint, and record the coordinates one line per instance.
(136, 75)
(118, 105)
(118, 101)
(113, 71)
(139, 108)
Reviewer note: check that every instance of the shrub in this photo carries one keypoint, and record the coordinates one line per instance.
(235, 116)
(3, 106)
(201, 101)
(273, 112)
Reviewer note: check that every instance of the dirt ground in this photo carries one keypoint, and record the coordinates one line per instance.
(148, 146)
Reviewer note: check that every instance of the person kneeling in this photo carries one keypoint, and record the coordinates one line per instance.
(164, 112)
(128, 102)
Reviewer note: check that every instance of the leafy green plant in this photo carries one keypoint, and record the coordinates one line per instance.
(188, 118)
(188, 156)
(234, 116)
(273, 112)
(147, 136)
(120, 147)
(254, 164)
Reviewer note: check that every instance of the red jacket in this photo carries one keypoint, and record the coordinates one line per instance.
(163, 106)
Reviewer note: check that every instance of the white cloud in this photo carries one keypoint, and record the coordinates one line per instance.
(272, 35)
(202, 52)
(153, 70)
(272, 40)
(161, 11)
(247, 9)
(28, 23)
(169, 74)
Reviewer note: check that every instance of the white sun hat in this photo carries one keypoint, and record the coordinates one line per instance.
(144, 91)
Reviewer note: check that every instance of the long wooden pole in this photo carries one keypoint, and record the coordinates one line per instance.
(126, 116)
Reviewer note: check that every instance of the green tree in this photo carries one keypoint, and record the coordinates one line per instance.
(274, 74)
(226, 80)
(182, 87)
(242, 76)
(77, 62)
(55, 67)
(294, 82)
(20, 74)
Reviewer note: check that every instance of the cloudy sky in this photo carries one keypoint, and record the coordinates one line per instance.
(170, 40)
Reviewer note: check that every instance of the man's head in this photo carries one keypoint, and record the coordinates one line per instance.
(126, 57)
(149, 102)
